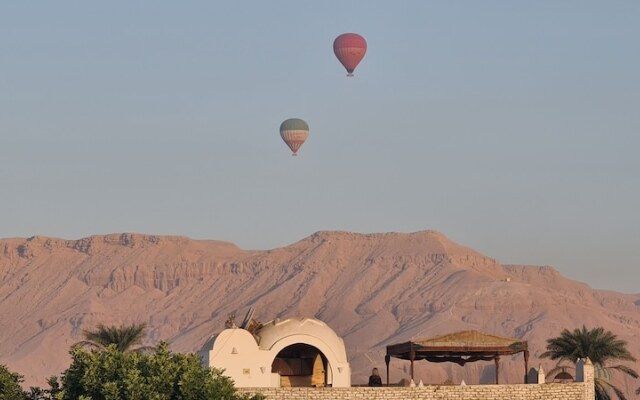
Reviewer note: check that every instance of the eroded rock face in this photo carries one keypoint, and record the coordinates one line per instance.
(373, 290)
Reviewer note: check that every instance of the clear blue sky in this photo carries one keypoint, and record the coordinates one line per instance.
(512, 127)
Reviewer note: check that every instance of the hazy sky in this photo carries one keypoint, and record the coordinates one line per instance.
(513, 127)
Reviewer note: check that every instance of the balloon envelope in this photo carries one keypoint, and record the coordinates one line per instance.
(350, 49)
(294, 132)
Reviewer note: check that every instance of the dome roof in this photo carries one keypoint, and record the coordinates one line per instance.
(272, 332)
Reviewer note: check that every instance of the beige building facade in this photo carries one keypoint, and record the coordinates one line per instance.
(294, 352)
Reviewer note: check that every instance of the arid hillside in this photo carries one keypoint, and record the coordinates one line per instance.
(372, 289)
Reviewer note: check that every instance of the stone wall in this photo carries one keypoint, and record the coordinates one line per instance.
(556, 391)
(582, 389)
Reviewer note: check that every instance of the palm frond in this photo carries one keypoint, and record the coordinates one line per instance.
(145, 349)
(619, 393)
(627, 370)
(601, 390)
(553, 371)
(91, 345)
(601, 347)
(124, 337)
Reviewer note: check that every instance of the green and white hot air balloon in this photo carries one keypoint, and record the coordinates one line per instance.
(294, 132)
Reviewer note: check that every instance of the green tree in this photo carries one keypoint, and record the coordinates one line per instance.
(602, 347)
(10, 388)
(37, 393)
(118, 375)
(125, 337)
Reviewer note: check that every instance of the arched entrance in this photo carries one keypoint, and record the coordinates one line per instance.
(299, 365)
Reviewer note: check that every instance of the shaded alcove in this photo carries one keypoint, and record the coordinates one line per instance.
(301, 365)
(488, 375)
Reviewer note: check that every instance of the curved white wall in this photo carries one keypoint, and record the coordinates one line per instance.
(338, 372)
(249, 364)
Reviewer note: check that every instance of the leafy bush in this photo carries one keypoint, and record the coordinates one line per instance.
(10, 388)
(117, 375)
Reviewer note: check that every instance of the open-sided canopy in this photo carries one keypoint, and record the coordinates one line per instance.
(458, 347)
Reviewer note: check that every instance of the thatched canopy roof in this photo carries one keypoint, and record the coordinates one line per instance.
(452, 347)
(460, 348)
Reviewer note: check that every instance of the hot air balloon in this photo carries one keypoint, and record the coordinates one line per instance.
(350, 49)
(294, 132)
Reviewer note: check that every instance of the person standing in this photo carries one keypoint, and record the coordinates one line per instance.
(375, 379)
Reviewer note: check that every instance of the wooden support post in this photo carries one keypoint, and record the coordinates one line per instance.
(526, 365)
(387, 360)
(497, 361)
(412, 357)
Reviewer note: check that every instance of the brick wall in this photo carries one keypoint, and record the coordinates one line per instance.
(582, 389)
(556, 391)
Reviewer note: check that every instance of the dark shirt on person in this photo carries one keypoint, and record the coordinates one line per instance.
(375, 380)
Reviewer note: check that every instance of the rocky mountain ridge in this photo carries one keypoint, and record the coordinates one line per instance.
(372, 289)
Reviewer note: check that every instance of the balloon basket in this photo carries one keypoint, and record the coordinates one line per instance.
(294, 154)
(350, 75)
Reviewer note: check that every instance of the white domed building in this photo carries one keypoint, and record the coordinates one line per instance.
(280, 353)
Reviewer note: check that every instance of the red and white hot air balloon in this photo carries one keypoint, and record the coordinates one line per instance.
(350, 49)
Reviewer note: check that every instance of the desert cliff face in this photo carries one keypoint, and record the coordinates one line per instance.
(372, 289)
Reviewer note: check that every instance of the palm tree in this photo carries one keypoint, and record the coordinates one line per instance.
(601, 347)
(124, 337)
